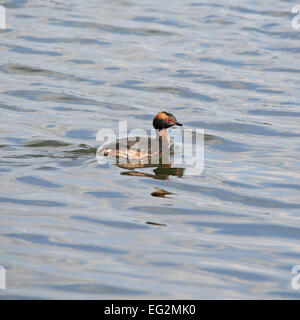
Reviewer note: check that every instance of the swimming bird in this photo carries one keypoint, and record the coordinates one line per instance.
(143, 149)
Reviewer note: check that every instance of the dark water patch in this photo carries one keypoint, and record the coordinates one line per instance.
(272, 13)
(38, 182)
(117, 106)
(289, 103)
(185, 93)
(68, 109)
(240, 85)
(201, 4)
(113, 224)
(174, 23)
(241, 275)
(44, 240)
(97, 289)
(165, 264)
(111, 28)
(112, 68)
(213, 19)
(287, 49)
(27, 156)
(210, 139)
(177, 55)
(71, 160)
(12, 68)
(16, 108)
(186, 74)
(227, 62)
(289, 254)
(182, 92)
(78, 61)
(183, 211)
(47, 144)
(65, 109)
(231, 147)
(80, 134)
(38, 203)
(106, 194)
(276, 113)
(24, 16)
(281, 185)
(81, 149)
(233, 84)
(242, 128)
(276, 34)
(14, 140)
(12, 4)
(64, 40)
(26, 50)
(249, 53)
(144, 19)
(251, 229)
(46, 168)
(282, 70)
(238, 184)
(37, 95)
(245, 10)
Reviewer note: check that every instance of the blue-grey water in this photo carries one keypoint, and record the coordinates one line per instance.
(72, 228)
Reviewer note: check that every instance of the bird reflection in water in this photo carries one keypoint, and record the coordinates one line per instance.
(161, 172)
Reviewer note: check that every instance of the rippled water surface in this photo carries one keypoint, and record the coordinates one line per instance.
(74, 228)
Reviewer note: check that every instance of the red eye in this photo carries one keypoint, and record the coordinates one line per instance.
(169, 120)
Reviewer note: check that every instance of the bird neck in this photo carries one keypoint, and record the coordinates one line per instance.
(163, 133)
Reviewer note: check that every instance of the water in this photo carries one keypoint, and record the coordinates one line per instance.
(73, 228)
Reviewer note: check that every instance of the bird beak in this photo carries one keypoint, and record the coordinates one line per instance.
(179, 124)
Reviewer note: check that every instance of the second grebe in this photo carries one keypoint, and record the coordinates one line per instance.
(143, 148)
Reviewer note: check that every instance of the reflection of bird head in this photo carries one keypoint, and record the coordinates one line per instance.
(164, 120)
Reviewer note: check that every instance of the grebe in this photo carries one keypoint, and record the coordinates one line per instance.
(143, 149)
